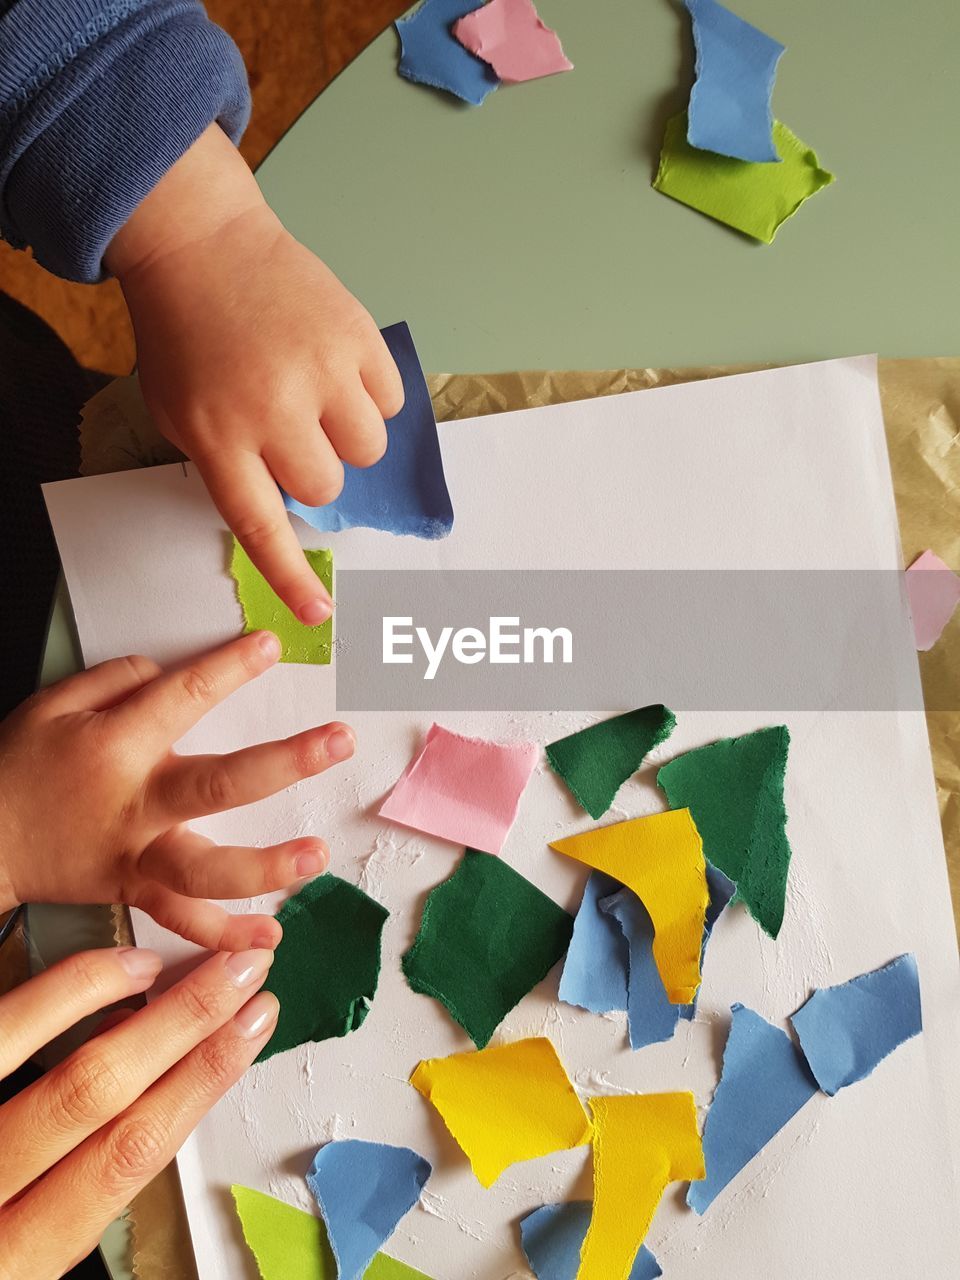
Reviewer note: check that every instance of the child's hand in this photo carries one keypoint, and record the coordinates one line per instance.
(82, 1141)
(253, 357)
(94, 801)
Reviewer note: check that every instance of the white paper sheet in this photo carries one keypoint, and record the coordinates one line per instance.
(784, 469)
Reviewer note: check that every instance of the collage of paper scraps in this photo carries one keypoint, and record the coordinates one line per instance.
(726, 155)
(658, 883)
(657, 886)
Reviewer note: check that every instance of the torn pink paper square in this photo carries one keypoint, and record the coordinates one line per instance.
(466, 790)
(934, 592)
(510, 36)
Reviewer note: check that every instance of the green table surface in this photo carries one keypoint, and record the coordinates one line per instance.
(525, 233)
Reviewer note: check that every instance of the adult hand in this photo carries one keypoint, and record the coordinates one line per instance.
(85, 1138)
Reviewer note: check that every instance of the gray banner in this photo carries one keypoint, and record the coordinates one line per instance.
(451, 640)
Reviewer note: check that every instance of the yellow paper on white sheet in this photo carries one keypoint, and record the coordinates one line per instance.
(660, 858)
(509, 1103)
(640, 1143)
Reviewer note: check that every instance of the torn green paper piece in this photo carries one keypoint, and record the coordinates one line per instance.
(327, 965)
(597, 761)
(263, 610)
(734, 789)
(752, 197)
(487, 937)
(289, 1244)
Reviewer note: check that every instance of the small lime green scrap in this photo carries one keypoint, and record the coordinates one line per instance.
(755, 198)
(289, 1244)
(263, 610)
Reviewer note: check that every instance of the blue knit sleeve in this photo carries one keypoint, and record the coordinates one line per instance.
(98, 99)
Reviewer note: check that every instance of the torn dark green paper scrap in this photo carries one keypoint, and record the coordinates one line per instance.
(734, 789)
(327, 965)
(595, 762)
(487, 937)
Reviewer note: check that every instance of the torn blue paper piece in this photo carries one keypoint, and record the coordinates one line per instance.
(595, 971)
(730, 110)
(721, 890)
(848, 1030)
(651, 1016)
(551, 1237)
(405, 492)
(363, 1189)
(431, 54)
(764, 1082)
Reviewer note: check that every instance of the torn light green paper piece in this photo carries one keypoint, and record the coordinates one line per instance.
(597, 761)
(734, 789)
(487, 937)
(263, 610)
(289, 1244)
(328, 963)
(753, 198)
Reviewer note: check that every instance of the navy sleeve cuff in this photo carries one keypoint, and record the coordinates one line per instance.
(98, 137)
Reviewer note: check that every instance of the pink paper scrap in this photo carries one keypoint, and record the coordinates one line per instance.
(510, 36)
(466, 790)
(934, 592)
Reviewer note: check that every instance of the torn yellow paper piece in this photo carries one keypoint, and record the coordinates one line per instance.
(505, 1104)
(640, 1143)
(661, 859)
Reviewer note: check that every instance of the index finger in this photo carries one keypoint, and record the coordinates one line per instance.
(247, 496)
(173, 703)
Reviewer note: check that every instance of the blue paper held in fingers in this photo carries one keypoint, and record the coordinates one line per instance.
(405, 492)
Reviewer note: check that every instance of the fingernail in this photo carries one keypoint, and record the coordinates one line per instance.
(244, 967)
(314, 612)
(257, 1015)
(269, 645)
(138, 962)
(310, 864)
(341, 744)
(264, 941)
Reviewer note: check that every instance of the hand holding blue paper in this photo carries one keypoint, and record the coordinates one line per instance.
(405, 492)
